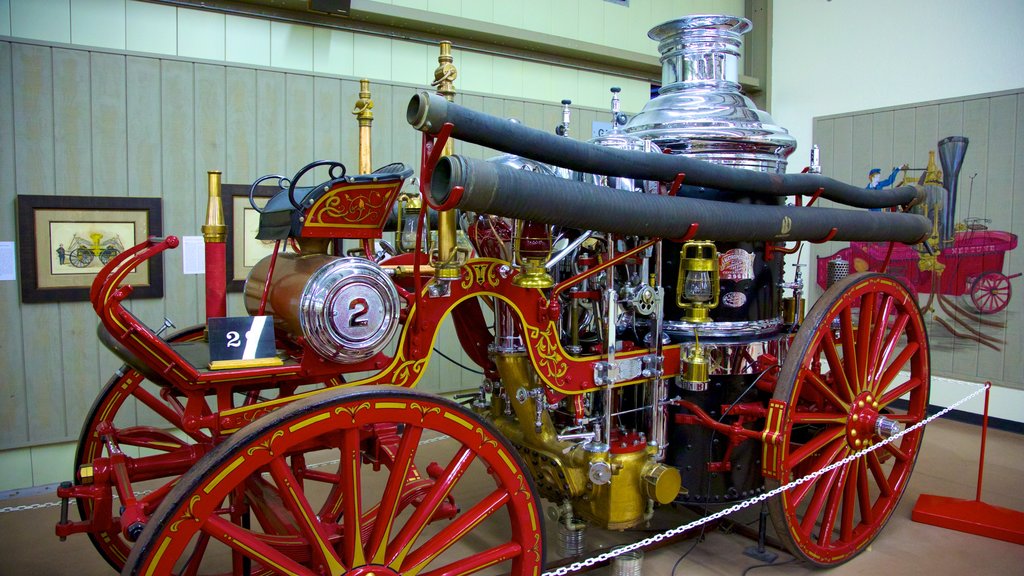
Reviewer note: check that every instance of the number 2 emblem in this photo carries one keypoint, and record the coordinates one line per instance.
(361, 307)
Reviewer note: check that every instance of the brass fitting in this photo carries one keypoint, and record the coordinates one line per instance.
(215, 229)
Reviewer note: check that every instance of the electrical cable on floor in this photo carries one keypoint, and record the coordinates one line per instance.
(457, 363)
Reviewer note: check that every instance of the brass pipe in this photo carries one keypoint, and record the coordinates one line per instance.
(363, 111)
(447, 258)
(215, 229)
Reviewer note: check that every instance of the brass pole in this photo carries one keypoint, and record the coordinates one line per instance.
(364, 114)
(447, 266)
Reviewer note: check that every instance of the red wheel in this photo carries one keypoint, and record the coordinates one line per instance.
(991, 292)
(373, 519)
(152, 415)
(862, 347)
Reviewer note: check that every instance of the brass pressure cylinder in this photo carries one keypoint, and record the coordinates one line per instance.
(661, 483)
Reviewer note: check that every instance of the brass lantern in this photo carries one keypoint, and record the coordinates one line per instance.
(532, 248)
(697, 286)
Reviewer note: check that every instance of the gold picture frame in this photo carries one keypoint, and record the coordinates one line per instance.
(66, 240)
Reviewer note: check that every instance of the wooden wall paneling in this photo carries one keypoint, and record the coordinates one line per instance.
(109, 178)
(271, 140)
(862, 153)
(552, 116)
(823, 136)
(35, 158)
(386, 125)
(299, 127)
(145, 179)
(178, 158)
(966, 353)
(349, 129)
(842, 146)
(1001, 141)
(1013, 360)
(903, 140)
(926, 133)
(513, 109)
(976, 128)
(327, 118)
(14, 408)
(882, 143)
(240, 126)
(533, 115)
(77, 351)
(406, 143)
(210, 142)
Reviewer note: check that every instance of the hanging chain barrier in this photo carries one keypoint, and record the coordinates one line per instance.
(619, 550)
(606, 556)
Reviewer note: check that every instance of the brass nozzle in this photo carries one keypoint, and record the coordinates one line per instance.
(215, 229)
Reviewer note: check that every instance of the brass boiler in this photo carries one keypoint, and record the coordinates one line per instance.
(701, 113)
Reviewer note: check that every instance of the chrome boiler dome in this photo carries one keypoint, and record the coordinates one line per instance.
(700, 111)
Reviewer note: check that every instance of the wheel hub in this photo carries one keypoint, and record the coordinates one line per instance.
(863, 420)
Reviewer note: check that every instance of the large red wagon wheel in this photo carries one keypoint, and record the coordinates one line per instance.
(376, 528)
(145, 421)
(105, 419)
(991, 292)
(862, 347)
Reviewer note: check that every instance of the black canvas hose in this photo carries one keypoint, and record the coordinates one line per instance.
(429, 112)
(493, 188)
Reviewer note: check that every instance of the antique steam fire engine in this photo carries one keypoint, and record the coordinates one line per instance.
(626, 301)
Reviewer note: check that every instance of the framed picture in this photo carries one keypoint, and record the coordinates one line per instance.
(66, 240)
(243, 249)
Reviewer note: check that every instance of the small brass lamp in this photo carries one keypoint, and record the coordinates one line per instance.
(409, 207)
(532, 250)
(697, 287)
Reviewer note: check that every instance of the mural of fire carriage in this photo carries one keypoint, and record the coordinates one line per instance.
(645, 350)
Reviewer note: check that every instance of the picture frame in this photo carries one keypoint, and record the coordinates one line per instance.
(64, 241)
(243, 250)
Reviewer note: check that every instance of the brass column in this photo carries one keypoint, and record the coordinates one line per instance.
(363, 111)
(447, 264)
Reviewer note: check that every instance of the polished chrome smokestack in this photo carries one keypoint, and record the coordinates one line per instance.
(700, 111)
(951, 155)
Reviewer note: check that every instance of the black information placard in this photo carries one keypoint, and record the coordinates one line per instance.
(241, 338)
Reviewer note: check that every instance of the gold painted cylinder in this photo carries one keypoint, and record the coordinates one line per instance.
(364, 115)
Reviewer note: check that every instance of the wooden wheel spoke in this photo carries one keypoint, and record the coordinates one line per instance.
(863, 492)
(890, 345)
(270, 511)
(406, 538)
(879, 474)
(832, 502)
(309, 525)
(196, 558)
(895, 451)
(865, 326)
(836, 365)
(248, 545)
(828, 455)
(850, 483)
(820, 386)
(820, 441)
(905, 418)
(846, 334)
(480, 561)
(895, 393)
(819, 418)
(388, 509)
(890, 373)
(822, 492)
(452, 533)
(351, 499)
(877, 336)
